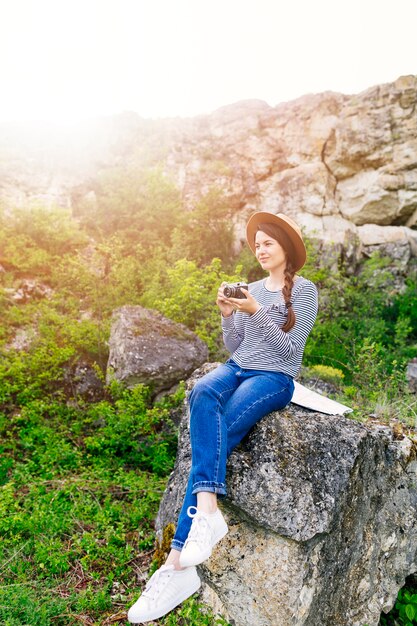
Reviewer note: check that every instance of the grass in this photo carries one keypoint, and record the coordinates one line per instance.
(78, 500)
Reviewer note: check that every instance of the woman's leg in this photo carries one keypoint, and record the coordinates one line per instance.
(258, 394)
(208, 434)
(208, 441)
(223, 408)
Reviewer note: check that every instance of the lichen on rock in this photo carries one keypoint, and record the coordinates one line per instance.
(146, 347)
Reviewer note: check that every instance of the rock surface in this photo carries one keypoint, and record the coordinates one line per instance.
(81, 380)
(146, 347)
(322, 516)
(332, 162)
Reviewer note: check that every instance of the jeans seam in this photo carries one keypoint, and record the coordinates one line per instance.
(214, 484)
(219, 433)
(256, 402)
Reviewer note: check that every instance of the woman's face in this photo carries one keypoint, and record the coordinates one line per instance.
(269, 252)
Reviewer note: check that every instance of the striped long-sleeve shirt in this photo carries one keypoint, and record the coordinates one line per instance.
(257, 341)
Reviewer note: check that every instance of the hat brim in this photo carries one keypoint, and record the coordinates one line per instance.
(299, 255)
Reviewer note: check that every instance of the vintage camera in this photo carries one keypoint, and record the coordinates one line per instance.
(232, 290)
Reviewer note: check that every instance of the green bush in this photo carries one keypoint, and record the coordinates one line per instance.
(404, 612)
(189, 297)
(136, 204)
(80, 489)
(57, 341)
(206, 232)
(32, 238)
(326, 373)
(353, 316)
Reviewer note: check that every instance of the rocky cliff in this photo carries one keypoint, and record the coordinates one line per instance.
(335, 163)
(341, 165)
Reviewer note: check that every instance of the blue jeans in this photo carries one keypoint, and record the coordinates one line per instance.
(224, 405)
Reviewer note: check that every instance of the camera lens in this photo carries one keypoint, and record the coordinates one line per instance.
(228, 292)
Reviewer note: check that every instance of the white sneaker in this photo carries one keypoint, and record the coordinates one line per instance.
(206, 530)
(165, 590)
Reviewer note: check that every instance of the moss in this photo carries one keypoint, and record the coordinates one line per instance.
(147, 326)
(163, 548)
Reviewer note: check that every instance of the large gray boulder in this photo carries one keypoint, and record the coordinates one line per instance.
(322, 517)
(146, 347)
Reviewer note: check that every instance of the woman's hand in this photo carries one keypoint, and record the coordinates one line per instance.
(228, 305)
(223, 303)
(245, 305)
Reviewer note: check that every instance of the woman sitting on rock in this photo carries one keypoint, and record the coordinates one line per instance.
(265, 332)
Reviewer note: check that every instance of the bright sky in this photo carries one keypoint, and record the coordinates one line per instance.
(72, 59)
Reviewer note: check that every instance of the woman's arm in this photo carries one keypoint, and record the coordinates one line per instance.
(231, 337)
(305, 306)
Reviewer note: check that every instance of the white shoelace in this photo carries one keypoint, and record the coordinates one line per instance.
(154, 584)
(200, 530)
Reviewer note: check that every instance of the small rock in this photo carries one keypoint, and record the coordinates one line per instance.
(411, 374)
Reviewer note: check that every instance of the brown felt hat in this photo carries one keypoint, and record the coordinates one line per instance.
(298, 253)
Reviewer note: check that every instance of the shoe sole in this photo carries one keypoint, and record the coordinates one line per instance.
(156, 615)
(205, 555)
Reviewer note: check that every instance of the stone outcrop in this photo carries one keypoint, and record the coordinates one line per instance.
(333, 162)
(322, 516)
(146, 347)
(22, 339)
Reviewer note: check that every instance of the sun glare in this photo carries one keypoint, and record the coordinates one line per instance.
(70, 60)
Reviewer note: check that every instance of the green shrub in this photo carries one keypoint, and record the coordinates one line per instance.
(189, 297)
(404, 612)
(206, 232)
(136, 204)
(79, 494)
(362, 330)
(33, 238)
(326, 373)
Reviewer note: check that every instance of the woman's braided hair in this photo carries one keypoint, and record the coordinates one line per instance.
(274, 231)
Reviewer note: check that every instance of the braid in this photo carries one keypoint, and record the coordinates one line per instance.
(287, 292)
